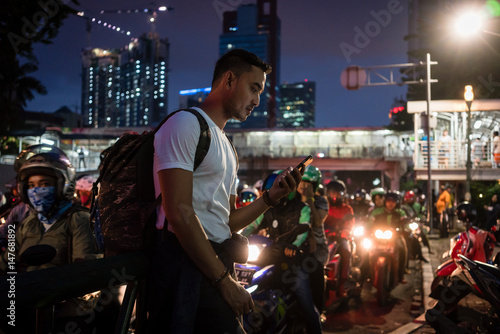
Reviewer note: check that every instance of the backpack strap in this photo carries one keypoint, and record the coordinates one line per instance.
(205, 137)
(203, 142)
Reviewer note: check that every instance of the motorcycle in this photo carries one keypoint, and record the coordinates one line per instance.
(276, 309)
(473, 243)
(471, 276)
(333, 269)
(381, 264)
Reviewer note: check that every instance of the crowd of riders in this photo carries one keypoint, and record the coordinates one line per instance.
(48, 200)
(332, 215)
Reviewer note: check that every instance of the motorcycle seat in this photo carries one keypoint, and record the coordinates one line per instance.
(493, 270)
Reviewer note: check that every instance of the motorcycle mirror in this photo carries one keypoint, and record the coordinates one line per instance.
(38, 254)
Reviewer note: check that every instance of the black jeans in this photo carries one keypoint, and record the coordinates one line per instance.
(181, 299)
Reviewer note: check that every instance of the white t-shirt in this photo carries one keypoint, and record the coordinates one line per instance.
(213, 181)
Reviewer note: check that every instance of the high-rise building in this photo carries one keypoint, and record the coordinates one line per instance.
(297, 105)
(126, 87)
(256, 28)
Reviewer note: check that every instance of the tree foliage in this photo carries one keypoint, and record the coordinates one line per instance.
(22, 24)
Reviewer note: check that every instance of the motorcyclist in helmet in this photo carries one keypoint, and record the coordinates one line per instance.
(246, 196)
(393, 216)
(47, 184)
(308, 188)
(413, 209)
(340, 220)
(360, 206)
(378, 197)
(278, 220)
(17, 210)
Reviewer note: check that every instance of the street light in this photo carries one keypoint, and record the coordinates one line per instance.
(468, 97)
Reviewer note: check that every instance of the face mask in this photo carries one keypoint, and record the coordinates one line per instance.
(42, 199)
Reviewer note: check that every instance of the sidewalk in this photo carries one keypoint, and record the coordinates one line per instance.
(438, 246)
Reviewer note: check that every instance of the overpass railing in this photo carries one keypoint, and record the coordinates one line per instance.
(453, 154)
(340, 151)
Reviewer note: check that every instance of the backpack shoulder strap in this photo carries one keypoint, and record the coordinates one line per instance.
(204, 140)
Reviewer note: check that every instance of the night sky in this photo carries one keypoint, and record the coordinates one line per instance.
(312, 33)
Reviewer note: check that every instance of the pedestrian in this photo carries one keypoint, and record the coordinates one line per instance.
(496, 150)
(444, 148)
(81, 158)
(492, 212)
(192, 287)
(477, 151)
(442, 205)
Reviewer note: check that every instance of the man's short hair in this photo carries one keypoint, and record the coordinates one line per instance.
(238, 61)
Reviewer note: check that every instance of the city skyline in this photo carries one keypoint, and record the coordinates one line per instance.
(317, 42)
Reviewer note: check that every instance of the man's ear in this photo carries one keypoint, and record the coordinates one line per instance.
(230, 78)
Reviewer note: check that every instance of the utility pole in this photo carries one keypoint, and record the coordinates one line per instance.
(355, 77)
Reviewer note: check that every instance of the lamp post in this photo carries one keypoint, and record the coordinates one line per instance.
(468, 97)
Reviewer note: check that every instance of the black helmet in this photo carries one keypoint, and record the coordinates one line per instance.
(466, 212)
(53, 164)
(394, 195)
(336, 185)
(360, 193)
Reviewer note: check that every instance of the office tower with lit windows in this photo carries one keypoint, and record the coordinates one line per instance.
(297, 105)
(256, 28)
(127, 87)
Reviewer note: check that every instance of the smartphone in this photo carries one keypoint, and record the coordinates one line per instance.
(303, 164)
(306, 162)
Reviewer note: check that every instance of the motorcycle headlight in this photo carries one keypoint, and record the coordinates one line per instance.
(413, 226)
(367, 243)
(253, 253)
(387, 234)
(358, 231)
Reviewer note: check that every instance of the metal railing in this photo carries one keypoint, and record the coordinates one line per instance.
(453, 155)
(340, 151)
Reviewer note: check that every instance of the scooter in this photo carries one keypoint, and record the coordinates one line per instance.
(473, 243)
(275, 308)
(333, 269)
(382, 263)
(471, 276)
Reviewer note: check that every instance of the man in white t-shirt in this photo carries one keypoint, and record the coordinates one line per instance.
(191, 287)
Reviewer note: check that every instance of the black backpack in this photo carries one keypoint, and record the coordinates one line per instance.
(124, 203)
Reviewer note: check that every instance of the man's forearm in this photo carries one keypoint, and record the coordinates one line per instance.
(242, 217)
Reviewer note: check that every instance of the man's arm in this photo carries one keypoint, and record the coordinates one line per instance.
(176, 188)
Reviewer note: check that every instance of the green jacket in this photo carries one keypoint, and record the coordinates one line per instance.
(71, 236)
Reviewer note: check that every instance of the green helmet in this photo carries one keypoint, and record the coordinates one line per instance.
(312, 174)
(377, 191)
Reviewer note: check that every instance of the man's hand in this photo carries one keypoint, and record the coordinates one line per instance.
(236, 296)
(285, 183)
